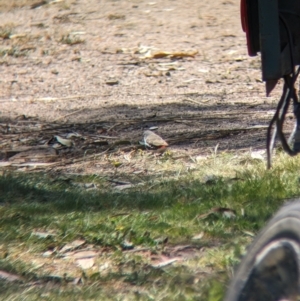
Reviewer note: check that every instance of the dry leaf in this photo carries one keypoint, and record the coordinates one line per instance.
(127, 186)
(104, 266)
(240, 59)
(9, 277)
(35, 155)
(112, 82)
(32, 164)
(74, 134)
(63, 141)
(159, 55)
(258, 155)
(72, 246)
(5, 164)
(17, 36)
(167, 54)
(200, 158)
(116, 163)
(228, 213)
(122, 187)
(86, 263)
(198, 236)
(83, 254)
(251, 234)
(38, 4)
(183, 54)
(165, 262)
(57, 146)
(118, 182)
(144, 49)
(191, 80)
(161, 240)
(77, 281)
(153, 74)
(89, 186)
(127, 157)
(203, 70)
(48, 253)
(40, 234)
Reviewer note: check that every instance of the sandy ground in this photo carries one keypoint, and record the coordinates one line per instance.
(105, 71)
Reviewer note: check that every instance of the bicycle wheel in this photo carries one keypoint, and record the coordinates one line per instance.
(270, 269)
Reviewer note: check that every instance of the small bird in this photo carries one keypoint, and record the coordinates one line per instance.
(153, 140)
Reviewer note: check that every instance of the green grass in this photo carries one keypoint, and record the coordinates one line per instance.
(166, 206)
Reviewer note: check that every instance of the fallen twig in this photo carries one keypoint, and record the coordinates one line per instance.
(194, 101)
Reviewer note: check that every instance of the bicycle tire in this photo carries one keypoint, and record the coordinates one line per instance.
(270, 269)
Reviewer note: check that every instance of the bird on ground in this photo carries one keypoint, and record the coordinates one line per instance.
(153, 140)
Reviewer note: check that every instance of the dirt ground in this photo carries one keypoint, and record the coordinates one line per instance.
(98, 73)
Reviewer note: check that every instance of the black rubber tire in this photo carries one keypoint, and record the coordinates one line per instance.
(270, 269)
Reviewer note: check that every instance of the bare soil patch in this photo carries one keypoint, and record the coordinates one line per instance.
(106, 71)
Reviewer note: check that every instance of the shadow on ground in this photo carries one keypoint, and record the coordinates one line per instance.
(188, 127)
